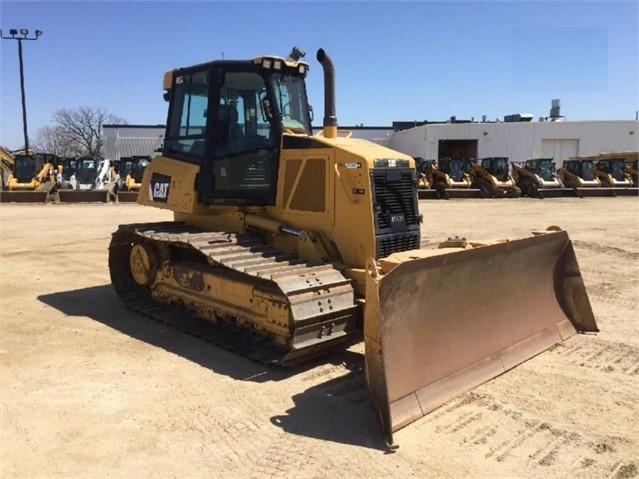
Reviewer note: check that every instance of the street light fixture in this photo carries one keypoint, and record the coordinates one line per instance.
(25, 36)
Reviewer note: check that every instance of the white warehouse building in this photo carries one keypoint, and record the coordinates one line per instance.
(518, 141)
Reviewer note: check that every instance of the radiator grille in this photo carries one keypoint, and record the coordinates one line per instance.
(386, 245)
(396, 211)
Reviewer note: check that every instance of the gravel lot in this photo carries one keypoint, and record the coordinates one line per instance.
(89, 389)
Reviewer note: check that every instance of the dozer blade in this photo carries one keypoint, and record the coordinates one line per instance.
(83, 196)
(440, 325)
(17, 196)
(127, 196)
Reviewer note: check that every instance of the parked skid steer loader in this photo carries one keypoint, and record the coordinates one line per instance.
(579, 174)
(537, 178)
(79, 177)
(285, 245)
(131, 170)
(451, 178)
(492, 176)
(611, 169)
(32, 179)
(424, 176)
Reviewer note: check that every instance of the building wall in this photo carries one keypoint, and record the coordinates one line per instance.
(129, 140)
(520, 141)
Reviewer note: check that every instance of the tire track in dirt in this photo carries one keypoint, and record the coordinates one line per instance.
(614, 358)
(605, 249)
(484, 424)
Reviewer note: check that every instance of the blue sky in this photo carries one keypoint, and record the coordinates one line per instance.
(399, 60)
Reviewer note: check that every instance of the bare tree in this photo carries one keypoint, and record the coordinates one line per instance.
(53, 139)
(83, 127)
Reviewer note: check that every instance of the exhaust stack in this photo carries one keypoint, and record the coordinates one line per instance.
(330, 120)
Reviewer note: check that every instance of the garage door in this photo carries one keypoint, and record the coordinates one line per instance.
(559, 149)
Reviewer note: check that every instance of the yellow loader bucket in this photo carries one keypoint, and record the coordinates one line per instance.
(440, 323)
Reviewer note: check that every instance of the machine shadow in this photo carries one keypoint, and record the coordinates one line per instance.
(338, 410)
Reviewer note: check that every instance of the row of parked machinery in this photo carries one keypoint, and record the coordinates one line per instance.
(29, 177)
(608, 174)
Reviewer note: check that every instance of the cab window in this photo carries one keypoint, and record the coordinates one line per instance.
(187, 119)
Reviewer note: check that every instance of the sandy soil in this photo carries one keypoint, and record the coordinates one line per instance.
(89, 389)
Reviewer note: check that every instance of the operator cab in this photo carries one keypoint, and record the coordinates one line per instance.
(614, 167)
(228, 116)
(137, 167)
(584, 169)
(497, 166)
(27, 167)
(544, 167)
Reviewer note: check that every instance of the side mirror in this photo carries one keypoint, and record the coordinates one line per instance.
(310, 113)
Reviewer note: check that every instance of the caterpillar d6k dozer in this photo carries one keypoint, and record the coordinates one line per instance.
(32, 179)
(579, 174)
(285, 245)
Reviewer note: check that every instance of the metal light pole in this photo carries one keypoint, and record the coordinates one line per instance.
(22, 34)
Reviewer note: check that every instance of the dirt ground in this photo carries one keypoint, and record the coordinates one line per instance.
(91, 390)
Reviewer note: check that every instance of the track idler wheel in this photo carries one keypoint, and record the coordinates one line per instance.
(144, 264)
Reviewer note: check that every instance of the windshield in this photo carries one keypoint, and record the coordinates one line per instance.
(125, 168)
(619, 169)
(291, 102)
(138, 170)
(587, 170)
(457, 168)
(498, 167)
(69, 168)
(27, 167)
(546, 170)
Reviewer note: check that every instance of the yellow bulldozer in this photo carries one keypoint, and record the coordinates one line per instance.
(492, 176)
(286, 245)
(33, 179)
